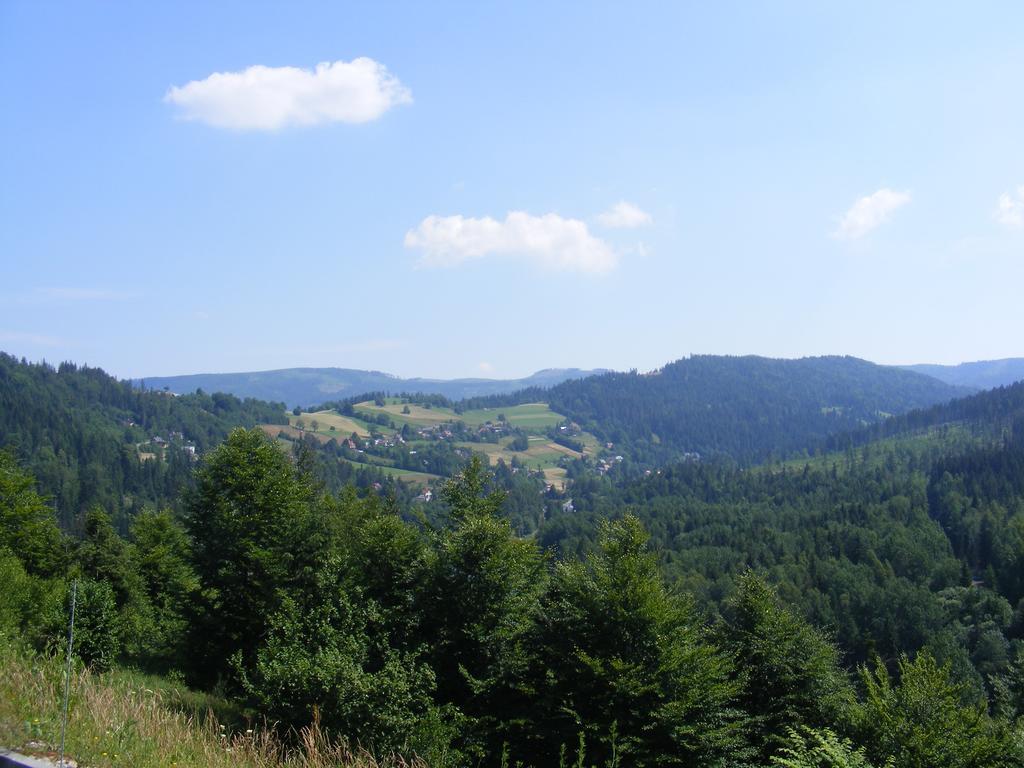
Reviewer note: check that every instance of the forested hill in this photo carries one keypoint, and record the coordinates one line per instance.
(312, 386)
(993, 413)
(749, 408)
(90, 439)
(983, 374)
(912, 541)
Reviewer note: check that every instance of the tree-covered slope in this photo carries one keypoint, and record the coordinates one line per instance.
(746, 407)
(910, 536)
(992, 412)
(79, 430)
(982, 374)
(462, 644)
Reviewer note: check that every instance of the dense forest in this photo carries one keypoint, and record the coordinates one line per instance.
(913, 540)
(467, 645)
(747, 408)
(860, 606)
(992, 412)
(78, 430)
(90, 439)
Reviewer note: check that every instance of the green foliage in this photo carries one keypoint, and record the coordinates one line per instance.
(162, 554)
(628, 664)
(252, 518)
(811, 748)
(16, 597)
(749, 408)
(922, 723)
(98, 625)
(791, 671)
(453, 638)
(384, 557)
(76, 429)
(27, 526)
(328, 661)
(106, 558)
(481, 597)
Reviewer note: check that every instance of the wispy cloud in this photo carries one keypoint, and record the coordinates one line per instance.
(264, 98)
(81, 294)
(1010, 209)
(624, 215)
(869, 212)
(551, 241)
(39, 339)
(485, 367)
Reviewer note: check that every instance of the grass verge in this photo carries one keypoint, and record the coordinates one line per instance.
(124, 719)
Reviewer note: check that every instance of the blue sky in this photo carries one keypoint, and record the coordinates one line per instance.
(490, 189)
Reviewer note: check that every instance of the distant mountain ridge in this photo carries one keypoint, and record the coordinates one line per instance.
(983, 374)
(748, 407)
(312, 386)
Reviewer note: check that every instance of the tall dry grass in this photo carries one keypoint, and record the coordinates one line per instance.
(116, 720)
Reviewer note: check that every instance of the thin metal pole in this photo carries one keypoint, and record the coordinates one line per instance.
(67, 674)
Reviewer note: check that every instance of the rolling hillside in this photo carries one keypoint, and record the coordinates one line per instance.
(418, 443)
(982, 374)
(909, 535)
(992, 413)
(91, 439)
(748, 408)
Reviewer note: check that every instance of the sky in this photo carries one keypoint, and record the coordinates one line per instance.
(488, 189)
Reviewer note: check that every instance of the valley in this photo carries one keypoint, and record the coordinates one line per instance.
(864, 517)
(389, 434)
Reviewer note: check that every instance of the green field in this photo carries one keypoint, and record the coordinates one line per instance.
(542, 454)
(404, 475)
(528, 416)
(533, 418)
(343, 425)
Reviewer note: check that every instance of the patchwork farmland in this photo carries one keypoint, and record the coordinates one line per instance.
(394, 423)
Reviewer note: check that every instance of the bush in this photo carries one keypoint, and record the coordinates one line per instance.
(322, 661)
(17, 594)
(97, 640)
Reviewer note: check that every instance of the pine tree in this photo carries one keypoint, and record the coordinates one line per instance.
(628, 664)
(791, 671)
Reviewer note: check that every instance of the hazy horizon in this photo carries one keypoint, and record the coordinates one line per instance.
(511, 376)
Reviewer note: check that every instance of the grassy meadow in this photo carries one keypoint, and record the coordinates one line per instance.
(528, 416)
(122, 718)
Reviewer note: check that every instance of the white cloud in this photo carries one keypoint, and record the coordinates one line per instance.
(1010, 209)
(551, 241)
(869, 212)
(268, 98)
(486, 367)
(624, 215)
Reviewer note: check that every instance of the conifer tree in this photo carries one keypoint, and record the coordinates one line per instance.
(629, 666)
(791, 671)
(480, 603)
